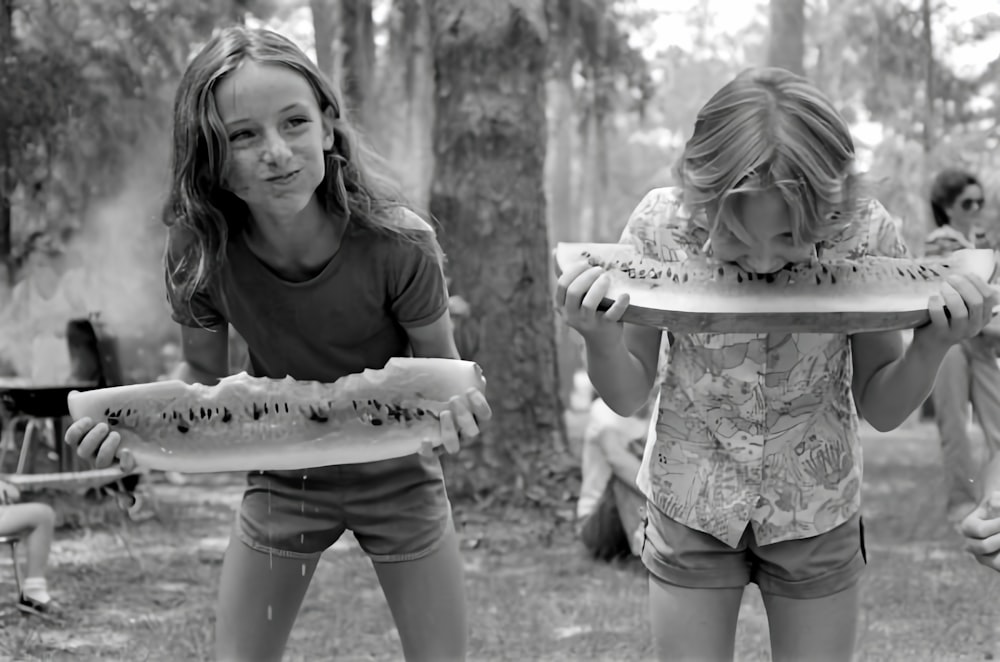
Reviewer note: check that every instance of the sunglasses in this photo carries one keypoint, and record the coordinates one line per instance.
(969, 203)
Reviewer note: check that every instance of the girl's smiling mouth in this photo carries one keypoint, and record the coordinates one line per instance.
(283, 179)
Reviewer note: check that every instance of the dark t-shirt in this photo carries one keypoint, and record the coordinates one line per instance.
(349, 317)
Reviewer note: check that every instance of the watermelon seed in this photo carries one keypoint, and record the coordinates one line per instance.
(182, 428)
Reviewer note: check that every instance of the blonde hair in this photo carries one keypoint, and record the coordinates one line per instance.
(771, 129)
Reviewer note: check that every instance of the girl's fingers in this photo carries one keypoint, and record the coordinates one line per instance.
(449, 435)
(981, 530)
(955, 304)
(106, 453)
(93, 440)
(595, 293)
(935, 308)
(984, 546)
(126, 461)
(971, 296)
(617, 309)
(566, 280)
(77, 431)
(465, 422)
(480, 405)
(579, 288)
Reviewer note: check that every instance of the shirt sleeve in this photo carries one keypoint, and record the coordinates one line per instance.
(884, 237)
(655, 229)
(200, 312)
(417, 293)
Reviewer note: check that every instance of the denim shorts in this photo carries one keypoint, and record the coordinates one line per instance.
(398, 509)
(800, 569)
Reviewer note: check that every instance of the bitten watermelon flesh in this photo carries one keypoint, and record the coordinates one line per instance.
(826, 296)
(247, 423)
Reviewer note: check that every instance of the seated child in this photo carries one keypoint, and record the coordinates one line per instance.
(37, 521)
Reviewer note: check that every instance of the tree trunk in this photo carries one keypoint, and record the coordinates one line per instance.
(488, 194)
(786, 45)
(6, 164)
(357, 38)
(406, 96)
(929, 92)
(325, 34)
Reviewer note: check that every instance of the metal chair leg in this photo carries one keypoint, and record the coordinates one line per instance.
(17, 570)
(29, 435)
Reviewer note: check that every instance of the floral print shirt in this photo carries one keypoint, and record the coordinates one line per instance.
(754, 429)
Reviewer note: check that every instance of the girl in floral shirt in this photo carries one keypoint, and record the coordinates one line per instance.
(753, 473)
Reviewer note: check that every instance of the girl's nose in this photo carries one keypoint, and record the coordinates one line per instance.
(763, 264)
(276, 150)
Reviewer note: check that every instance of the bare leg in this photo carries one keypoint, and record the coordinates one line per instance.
(819, 630)
(427, 600)
(951, 411)
(696, 624)
(41, 520)
(985, 398)
(259, 599)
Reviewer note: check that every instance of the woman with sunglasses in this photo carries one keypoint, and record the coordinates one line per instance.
(969, 373)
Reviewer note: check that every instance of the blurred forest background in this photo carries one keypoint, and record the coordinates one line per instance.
(515, 123)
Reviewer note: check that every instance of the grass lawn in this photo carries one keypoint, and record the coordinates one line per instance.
(146, 591)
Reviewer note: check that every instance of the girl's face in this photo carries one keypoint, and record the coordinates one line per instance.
(276, 134)
(964, 212)
(760, 239)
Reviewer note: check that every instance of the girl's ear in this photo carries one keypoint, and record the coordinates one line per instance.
(328, 133)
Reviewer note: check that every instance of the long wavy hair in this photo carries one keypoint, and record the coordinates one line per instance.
(200, 213)
(769, 129)
(947, 186)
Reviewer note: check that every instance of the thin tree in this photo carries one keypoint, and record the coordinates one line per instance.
(786, 45)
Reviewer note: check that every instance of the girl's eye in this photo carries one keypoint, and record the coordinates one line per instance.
(298, 121)
(239, 135)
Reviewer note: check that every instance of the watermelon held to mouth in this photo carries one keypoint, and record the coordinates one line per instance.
(827, 296)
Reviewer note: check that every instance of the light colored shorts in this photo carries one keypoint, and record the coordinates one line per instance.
(397, 509)
(800, 569)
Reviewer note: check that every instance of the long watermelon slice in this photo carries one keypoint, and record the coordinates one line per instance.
(828, 296)
(248, 423)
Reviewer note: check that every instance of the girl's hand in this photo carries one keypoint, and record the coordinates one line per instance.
(960, 311)
(982, 532)
(461, 421)
(579, 292)
(98, 444)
